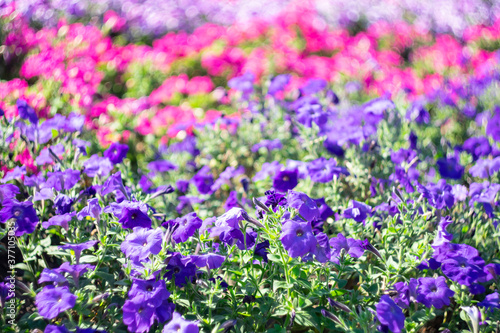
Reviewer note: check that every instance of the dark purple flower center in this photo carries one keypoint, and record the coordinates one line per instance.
(286, 178)
(140, 309)
(149, 288)
(134, 215)
(17, 212)
(433, 289)
(299, 232)
(145, 243)
(177, 270)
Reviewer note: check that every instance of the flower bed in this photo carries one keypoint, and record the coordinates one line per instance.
(276, 174)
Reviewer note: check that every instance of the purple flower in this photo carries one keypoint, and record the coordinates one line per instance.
(81, 145)
(357, 211)
(407, 293)
(243, 83)
(443, 236)
(185, 227)
(211, 260)
(477, 147)
(137, 315)
(78, 248)
(26, 112)
(492, 271)
(278, 83)
(323, 170)
(134, 215)
(93, 209)
(390, 315)
(491, 301)
(63, 204)
(307, 207)
(203, 180)
(484, 193)
(63, 180)
(182, 185)
(149, 291)
(485, 168)
(45, 157)
(322, 251)
(285, 180)
(8, 191)
(182, 272)
(416, 112)
(22, 213)
(55, 329)
(116, 152)
(141, 243)
(450, 168)
(232, 201)
(59, 220)
(179, 324)
(97, 166)
(15, 173)
(434, 292)
(51, 301)
(298, 238)
(493, 127)
(351, 246)
(268, 144)
(460, 263)
(439, 195)
(226, 176)
(75, 270)
(161, 166)
(313, 86)
(324, 210)
(267, 170)
(52, 275)
(310, 113)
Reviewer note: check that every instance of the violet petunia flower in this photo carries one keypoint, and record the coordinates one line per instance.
(22, 213)
(116, 152)
(182, 272)
(185, 227)
(141, 243)
(51, 301)
(138, 316)
(78, 248)
(307, 207)
(434, 292)
(26, 112)
(285, 180)
(97, 166)
(298, 238)
(179, 324)
(203, 180)
(390, 315)
(357, 211)
(278, 83)
(149, 291)
(439, 195)
(352, 247)
(322, 170)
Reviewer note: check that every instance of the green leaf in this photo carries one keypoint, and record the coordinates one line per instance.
(281, 285)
